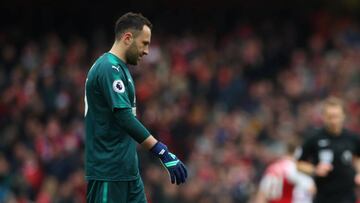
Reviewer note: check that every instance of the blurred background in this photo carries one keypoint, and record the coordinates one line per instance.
(224, 85)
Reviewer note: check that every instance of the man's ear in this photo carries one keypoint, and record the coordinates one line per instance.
(128, 38)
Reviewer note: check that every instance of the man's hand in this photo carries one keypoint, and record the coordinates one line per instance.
(357, 179)
(357, 167)
(323, 169)
(175, 167)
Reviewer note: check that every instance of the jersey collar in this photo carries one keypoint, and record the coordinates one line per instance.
(115, 59)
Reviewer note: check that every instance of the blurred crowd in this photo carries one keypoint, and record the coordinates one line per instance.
(223, 103)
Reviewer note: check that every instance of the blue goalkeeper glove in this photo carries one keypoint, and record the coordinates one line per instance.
(175, 167)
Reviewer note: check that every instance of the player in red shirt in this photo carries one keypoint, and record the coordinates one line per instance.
(280, 180)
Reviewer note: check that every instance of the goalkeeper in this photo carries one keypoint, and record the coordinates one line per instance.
(112, 129)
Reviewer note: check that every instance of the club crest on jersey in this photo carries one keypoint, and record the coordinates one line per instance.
(118, 86)
(323, 142)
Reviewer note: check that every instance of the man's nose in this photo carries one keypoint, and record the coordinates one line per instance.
(146, 51)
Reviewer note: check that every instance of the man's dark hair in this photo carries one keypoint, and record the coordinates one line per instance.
(133, 22)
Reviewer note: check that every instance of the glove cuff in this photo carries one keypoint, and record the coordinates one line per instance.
(159, 150)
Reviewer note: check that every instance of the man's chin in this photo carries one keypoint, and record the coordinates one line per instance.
(133, 63)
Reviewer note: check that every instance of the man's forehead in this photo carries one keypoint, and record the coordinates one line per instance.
(146, 32)
(146, 28)
(333, 109)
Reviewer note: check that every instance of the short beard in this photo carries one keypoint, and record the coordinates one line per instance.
(132, 55)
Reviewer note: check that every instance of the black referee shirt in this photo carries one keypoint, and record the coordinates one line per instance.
(337, 150)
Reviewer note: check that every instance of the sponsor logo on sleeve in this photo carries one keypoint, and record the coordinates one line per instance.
(116, 68)
(118, 86)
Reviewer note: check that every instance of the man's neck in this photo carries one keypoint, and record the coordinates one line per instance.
(118, 51)
(335, 132)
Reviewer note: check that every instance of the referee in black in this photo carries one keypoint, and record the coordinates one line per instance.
(331, 157)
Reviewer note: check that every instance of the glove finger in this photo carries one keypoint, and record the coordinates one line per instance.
(177, 176)
(172, 176)
(181, 174)
(184, 169)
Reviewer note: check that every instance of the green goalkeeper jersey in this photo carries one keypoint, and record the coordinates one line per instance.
(110, 153)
